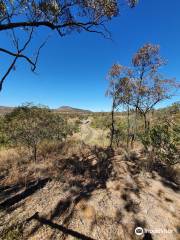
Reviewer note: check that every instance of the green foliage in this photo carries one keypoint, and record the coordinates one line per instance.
(163, 141)
(175, 108)
(119, 133)
(176, 130)
(27, 124)
(3, 135)
(104, 122)
(30, 125)
(60, 127)
(145, 139)
(75, 127)
(164, 145)
(101, 122)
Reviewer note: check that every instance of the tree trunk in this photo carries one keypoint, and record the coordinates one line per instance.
(135, 132)
(146, 125)
(128, 129)
(112, 124)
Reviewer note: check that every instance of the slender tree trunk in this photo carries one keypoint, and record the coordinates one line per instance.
(134, 128)
(136, 114)
(128, 128)
(146, 127)
(112, 124)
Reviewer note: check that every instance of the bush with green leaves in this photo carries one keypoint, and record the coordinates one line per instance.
(3, 135)
(101, 122)
(30, 125)
(61, 127)
(120, 133)
(144, 139)
(163, 141)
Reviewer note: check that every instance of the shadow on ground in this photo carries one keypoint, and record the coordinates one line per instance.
(83, 175)
(31, 188)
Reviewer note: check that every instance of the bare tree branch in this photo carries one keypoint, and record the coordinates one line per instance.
(45, 24)
(18, 55)
(7, 72)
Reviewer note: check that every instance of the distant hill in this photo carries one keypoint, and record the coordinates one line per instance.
(63, 109)
(68, 109)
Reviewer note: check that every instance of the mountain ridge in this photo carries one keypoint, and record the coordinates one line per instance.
(63, 109)
(71, 109)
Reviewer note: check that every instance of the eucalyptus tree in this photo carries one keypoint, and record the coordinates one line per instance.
(150, 87)
(120, 91)
(141, 86)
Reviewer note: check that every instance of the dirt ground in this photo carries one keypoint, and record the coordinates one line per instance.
(84, 203)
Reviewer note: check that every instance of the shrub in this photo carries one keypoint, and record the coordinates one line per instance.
(163, 141)
(60, 127)
(30, 125)
(3, 135)
(101, 122)
(120, 133)
(145, 139)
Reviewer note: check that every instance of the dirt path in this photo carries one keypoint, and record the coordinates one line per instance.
(92, 136)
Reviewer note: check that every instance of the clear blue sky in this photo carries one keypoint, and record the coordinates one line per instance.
(72, 70)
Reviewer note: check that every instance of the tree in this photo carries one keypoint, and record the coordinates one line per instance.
(20, 17)
(27, 126)
(149, 86)
(119, 90)
(113, 93)
(61, 128)
(30, 125)
(140, 87)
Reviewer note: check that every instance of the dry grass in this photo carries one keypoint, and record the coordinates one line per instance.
(11, 165)
(87, 210)
(17, 166)
(7, 155)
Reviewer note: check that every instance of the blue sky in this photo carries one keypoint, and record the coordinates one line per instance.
(72, 70)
